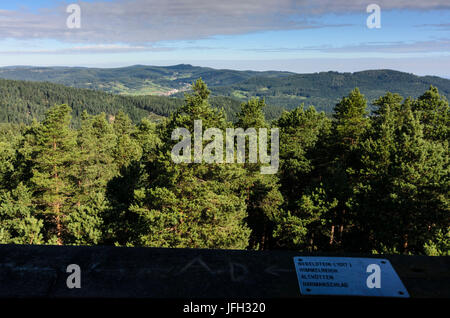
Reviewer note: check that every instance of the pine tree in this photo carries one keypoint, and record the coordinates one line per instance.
(93, 169)
(120, 224)
(7, 156)
(252, 114)
(439, 245)
(305, 215)
(348, 131)
(351, 120)
(433, 112)
(195, 205)
(127, 149)
(263, 198)
(95, 166)
(18, 220)
(51, 181)
(403, 197)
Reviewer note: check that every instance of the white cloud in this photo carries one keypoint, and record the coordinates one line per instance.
(140, 21)
(442, 45)
(439, 45)
(95, 48)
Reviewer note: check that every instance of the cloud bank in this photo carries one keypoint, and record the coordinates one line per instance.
(150, 21)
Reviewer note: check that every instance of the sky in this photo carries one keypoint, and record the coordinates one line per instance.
(302, 36)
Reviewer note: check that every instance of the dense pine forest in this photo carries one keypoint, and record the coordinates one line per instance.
(356, 181)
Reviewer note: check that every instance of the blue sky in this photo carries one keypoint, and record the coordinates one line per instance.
(302, 36)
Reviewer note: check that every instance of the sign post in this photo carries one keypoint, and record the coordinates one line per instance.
(348, 276)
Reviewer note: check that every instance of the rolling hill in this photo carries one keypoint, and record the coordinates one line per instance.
(283, 89)
(147, 87)
(134, 80)
(325, 89)
(22, 101)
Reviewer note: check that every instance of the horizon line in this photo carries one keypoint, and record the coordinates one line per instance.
(218, 69)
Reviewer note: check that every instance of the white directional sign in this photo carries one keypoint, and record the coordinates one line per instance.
(348, 276)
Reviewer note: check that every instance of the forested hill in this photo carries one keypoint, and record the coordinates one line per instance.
(135, 80)
(21, 101)
(325, 89)
(282, 89)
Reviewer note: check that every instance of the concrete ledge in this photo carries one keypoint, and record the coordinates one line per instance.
(119, 272)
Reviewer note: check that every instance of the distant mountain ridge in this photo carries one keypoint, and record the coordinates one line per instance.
(132, 79)
(282, 89)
